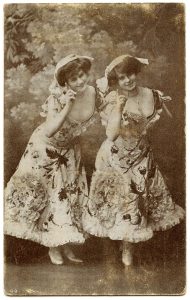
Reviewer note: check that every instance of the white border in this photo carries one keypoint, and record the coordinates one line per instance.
(187, 130)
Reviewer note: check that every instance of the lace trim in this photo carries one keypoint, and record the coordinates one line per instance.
(122, 231)
(53, 238)
(132, 233)
(170, 219)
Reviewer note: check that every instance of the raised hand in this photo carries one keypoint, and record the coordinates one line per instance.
(70, 97)
(120, 100)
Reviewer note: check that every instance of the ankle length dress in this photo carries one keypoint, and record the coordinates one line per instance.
(129, 199)
(45, 197)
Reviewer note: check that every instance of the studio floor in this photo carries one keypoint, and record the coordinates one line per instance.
(159, 268)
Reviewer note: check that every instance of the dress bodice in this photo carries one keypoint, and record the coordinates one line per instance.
(71, 129)
(133, 125)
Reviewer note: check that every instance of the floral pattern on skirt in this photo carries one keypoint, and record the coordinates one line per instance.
(129, 198)
(45, 197)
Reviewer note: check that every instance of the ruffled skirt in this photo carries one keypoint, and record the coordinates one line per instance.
(45, 197)
(129, 199)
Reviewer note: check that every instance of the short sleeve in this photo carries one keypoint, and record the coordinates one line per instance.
(56, 101)
(159, 106)
(57, 90)
(108, 104)
(101, 92)
(160, 101)
(52, 104)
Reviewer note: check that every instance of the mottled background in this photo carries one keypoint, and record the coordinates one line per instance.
(36, 37)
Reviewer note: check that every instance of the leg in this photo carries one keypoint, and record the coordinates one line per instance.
(127, 257)
(55, 255)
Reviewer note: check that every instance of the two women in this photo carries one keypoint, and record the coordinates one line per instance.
(47, 198)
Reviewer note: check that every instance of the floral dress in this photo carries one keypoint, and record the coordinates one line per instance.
(129, 198)
(45, 197)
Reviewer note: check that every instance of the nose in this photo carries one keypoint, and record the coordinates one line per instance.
(80, 81)
(127, 79)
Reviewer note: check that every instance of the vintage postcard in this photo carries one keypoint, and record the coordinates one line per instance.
(94, 159)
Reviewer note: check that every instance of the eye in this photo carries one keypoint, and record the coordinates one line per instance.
(122, 77)
(73, 79)
(81, 74)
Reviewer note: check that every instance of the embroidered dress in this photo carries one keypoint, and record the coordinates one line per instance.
(129, 198)
(45, 197)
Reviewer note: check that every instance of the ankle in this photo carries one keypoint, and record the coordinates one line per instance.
(127, 257)
(67, 250)
(55, 249)
(127, 247)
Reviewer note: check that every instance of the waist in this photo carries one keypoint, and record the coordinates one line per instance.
(59, 140)
(132, 141)
(64, 143)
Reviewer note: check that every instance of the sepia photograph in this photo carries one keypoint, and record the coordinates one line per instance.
(94, 149)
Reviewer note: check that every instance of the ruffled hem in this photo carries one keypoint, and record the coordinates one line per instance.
(122, 231)
(133, 233)
(53, 238)
(170, 219)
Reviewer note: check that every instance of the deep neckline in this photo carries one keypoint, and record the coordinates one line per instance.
(72, 120)
(138, 115)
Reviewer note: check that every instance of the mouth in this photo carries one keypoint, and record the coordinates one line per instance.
(129, 85)
(80, 86)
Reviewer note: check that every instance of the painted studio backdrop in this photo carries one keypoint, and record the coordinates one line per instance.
(37, 36)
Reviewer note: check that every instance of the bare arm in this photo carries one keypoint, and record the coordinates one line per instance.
(55, 119)
(114, 122)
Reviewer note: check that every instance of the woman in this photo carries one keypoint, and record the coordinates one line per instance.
(129, 198)
(44, 198)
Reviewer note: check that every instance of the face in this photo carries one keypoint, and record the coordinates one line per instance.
(127, 82)
(78, 82)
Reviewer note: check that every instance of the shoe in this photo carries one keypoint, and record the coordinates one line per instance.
(55, 256)
(127, 257)
(70, 255)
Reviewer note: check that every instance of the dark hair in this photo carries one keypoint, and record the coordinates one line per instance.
(129, 66)
(71, 69)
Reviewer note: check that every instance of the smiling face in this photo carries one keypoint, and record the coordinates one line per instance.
(126, 82)
(78, 82)
(124, 74)
(75, 74)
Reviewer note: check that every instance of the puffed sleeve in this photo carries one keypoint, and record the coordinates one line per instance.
(107, 107)
(102, 90)
(159, 106)
(56, 101)
(52, 104)
(160, 102)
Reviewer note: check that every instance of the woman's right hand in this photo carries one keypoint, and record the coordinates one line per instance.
(70, 98)
(120, 100)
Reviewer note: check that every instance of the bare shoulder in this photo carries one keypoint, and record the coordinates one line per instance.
(111, 97)
(146, 92)
(147, 100)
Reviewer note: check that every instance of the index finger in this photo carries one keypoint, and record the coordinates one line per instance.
(71, 91)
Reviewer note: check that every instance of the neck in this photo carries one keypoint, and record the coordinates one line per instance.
(133, 92)
(81, 93)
